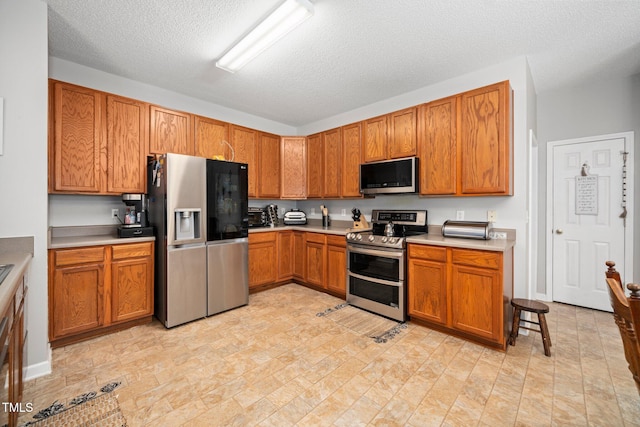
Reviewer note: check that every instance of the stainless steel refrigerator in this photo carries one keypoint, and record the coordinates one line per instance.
(193, 200)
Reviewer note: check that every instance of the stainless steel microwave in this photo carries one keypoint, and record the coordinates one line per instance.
(390, 176)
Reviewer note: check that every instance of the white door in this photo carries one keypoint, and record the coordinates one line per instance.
(586, 227)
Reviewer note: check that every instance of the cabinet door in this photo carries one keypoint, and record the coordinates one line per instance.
(131, 282)
(427, 290)
(244, 143)
(438, 145)
(293, 181)
(332, 146)
(127, 138)
(78, 299)
(262, 258)
(402, 134)
(170, 131)
(315, 255)
(78, 115)
(337, 264)
(374, 141)
(351, 143)
(269, 170)
(485, 140)
(299, 255)
(211, 138)
(285, 255)
(315, 166)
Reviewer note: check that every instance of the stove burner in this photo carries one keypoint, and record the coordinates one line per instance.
(405, 223)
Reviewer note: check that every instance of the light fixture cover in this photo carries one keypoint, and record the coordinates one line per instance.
(285, 18)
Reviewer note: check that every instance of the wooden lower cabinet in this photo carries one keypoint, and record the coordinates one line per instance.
(299, 255)
(93, 289)
(285, 255)
(315, 254)
(464, 291)
(263, 267)
(337, 265)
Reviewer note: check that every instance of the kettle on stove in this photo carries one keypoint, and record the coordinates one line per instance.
(388, 229)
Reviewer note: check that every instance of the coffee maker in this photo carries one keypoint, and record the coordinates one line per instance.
(135, 223)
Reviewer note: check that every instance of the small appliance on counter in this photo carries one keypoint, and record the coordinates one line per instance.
(467, 229)
(257, 217)
(359, 221)
(135, 223)
(295, 217)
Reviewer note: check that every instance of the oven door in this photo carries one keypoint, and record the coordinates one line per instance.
(375, 281)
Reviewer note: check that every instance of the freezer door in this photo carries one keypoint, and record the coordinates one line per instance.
(227, 275)
(186, 284)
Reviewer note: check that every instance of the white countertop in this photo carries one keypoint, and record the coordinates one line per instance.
(98, 235)
(20, 261)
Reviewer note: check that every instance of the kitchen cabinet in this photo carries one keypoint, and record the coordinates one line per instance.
(127, 136)
(374, 139)
(93, 290)
(315, 259)
(293, 167)
(332, 150)
(336, 265)
(462, 291)
(351, 146)
(427, 290)
(170, 131)
(402, 141)
(438, 146)
(211, 138)
(269, 166)
(244, 142)
(315, 166)
(131, 282)
(76, 129)
(285, 255)
(263, 266)
(485, 141)
(299, 255)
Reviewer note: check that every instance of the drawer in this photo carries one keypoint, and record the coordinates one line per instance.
(484, 259)
(132, 250)
(79, 256)
(428, 252)
(337, 241)
(316, 238)
(268, 236)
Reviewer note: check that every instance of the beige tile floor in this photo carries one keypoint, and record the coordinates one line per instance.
(275, 363)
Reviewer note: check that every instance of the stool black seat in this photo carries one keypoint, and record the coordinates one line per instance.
(520, 305)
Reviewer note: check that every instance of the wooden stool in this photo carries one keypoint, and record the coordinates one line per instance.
(520, 305)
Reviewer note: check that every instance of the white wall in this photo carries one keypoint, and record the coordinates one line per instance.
(598, 108)
(511, 211)
(23, 167)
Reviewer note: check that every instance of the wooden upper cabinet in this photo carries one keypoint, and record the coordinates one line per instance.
(269, 169)
(244, 142)
(402, 140)
(332, 146)
(351, 143)
(210, 137)
(315, 166)
(293, 167)
(77, 143)
(127, 138)
(171, 131)
(437, 146)
(374, 140)
(485, 141)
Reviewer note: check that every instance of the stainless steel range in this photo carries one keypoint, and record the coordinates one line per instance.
(376, 262)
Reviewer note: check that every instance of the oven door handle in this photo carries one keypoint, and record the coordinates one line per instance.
(375, 280)
(374, 252)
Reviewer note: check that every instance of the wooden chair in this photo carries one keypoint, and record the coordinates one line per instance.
(612, 273)
(626, 313)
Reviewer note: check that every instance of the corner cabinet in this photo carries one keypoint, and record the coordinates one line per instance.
(465, 143)
(463, 291)
(293, 167)
(98, 289)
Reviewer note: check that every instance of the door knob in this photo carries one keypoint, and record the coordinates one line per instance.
(559, 231)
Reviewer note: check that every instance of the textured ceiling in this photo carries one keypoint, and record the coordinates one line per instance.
(351, 53)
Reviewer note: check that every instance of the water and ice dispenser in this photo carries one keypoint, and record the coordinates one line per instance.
(187, 224)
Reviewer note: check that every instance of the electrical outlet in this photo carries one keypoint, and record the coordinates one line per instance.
(313, 211)
(460, 215)
(344, 212)
(115, 213)
(492, 216)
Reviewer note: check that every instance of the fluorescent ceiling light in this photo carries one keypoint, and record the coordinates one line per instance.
(285, 18)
